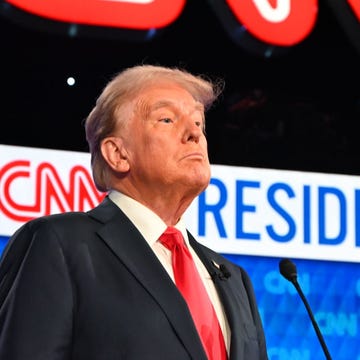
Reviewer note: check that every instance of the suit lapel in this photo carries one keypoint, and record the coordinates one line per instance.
(134, 252)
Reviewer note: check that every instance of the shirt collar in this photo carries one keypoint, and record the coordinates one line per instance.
(150, 225)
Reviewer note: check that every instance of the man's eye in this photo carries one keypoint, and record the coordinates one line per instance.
(166, 120)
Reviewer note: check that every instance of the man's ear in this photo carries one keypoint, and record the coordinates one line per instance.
(114, 153)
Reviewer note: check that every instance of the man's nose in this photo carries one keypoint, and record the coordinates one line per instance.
(193, 131)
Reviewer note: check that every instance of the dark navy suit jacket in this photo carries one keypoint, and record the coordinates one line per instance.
(90, 288)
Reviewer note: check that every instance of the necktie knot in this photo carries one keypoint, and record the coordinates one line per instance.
(172, 238)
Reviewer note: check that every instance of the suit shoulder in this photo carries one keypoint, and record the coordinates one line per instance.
(59, 225)
(63, 219)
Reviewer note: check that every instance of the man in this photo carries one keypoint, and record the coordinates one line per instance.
(101, 284)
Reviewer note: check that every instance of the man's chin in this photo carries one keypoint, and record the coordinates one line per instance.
(201, 184)
(196, 180)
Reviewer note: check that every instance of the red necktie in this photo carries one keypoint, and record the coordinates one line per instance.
(189, 283)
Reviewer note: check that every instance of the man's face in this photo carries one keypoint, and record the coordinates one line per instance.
(165, 141)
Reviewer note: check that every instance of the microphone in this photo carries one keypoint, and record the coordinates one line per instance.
(289, 272)
(225, 273)
(221, 272)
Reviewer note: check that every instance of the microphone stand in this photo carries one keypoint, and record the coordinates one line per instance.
(312, 318)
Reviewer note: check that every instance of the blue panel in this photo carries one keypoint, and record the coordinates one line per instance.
(332, 290)
(3, 241)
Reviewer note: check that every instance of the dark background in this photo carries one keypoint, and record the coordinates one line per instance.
(296, 110)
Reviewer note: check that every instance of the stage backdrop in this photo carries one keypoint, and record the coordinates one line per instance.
(255, 217)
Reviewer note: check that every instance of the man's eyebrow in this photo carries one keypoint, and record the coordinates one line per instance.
(168, 103)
